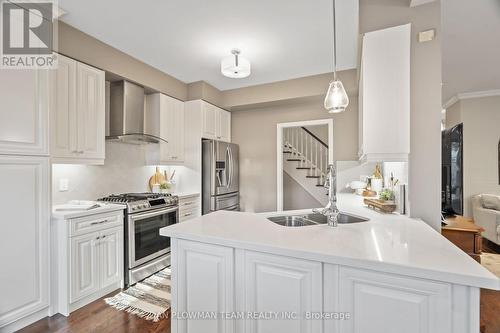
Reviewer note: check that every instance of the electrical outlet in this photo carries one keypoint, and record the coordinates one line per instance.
(63, 184)
(426, 36)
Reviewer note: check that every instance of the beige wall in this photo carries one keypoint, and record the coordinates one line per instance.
(204, 91)
(255, 132)
(453, 115)
(320, 131)
(80, 46)
(481, 120)
(295, 196)
(289, 92)
(425, 118)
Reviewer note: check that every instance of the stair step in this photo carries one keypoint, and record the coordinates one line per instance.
(305, 168)
(312, 176)
(294, 159)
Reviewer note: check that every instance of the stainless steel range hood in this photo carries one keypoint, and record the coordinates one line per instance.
(126, 114)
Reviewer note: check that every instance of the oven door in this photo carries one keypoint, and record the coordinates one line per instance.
(144, 240)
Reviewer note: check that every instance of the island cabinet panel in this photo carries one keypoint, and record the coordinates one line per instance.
(205, 286)
(414, 305)
(289, 287)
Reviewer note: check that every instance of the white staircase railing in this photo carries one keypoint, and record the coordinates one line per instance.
(309, 151)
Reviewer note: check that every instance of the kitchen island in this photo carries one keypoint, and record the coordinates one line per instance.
(240, 272)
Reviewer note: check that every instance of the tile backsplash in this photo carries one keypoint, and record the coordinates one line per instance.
(125, 170)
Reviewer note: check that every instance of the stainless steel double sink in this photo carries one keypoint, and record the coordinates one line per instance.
(313, 219)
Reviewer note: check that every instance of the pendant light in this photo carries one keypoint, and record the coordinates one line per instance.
(235, 66)
(336, 99)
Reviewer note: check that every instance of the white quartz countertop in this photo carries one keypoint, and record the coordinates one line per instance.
(183, 195)
(388, 243)
(72, 210)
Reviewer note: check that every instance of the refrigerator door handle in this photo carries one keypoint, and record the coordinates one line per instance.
(230, 167)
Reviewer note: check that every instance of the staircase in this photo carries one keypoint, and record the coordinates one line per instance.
(305, 159)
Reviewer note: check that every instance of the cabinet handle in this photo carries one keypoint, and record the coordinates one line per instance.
(99, 222)
(188, 214)
(188, 203)
(74, 151)
(80, 152)
(103, 237)
(98, 237)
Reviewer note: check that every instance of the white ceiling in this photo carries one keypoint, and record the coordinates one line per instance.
(283, 39)
(471, 46)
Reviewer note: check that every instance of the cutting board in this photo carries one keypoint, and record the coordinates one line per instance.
(382, 205)
(156, 178)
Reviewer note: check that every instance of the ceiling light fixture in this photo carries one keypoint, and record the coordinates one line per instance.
(336, 99)
(235, 66)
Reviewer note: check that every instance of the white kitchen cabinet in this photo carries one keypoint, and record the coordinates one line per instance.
(25, 112)
(111, 257)
(384, 95)
(164, 117)
(216, 122)
(63, 132)
(77, 113)
(205, 276)
(209, 120)
(223, 132)
(96, 262)
(189, 206)
(84, 270)
(24, 240)
(316, 296)
(416, 305)
(88, 252)
(90, 99)
(277, 284)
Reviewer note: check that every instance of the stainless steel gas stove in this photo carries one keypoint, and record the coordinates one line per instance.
(146, 252)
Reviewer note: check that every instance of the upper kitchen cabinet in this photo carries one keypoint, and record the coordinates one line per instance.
(164, 117)
(216, 122)
(77, 113)
(384, 95)
(25, 112)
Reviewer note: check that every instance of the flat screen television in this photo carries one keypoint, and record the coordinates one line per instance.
(452, 171)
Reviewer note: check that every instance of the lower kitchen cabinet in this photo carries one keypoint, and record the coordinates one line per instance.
(89, 260)
(277, 284)
(304, 295)
(96, 262)
(189, 206)
(205, 277)
(414, 305)
(84, 276)
(111, 254)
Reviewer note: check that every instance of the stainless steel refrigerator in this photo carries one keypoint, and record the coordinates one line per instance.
(220, 176)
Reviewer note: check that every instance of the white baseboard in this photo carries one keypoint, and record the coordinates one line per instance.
(25, 321)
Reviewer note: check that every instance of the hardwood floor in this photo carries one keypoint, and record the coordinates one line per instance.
(490, 299)
(98, 317)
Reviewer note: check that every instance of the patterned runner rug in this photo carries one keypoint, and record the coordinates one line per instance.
(148, 299)
(491, 262)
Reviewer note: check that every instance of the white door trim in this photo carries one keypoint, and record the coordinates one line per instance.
(279, 151)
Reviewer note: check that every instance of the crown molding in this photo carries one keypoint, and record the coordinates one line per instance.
(469, 95)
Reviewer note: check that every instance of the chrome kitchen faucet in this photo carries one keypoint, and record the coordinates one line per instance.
(331, 211)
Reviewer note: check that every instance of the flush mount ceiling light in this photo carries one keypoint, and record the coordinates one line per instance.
(336, 99)
(235, 66)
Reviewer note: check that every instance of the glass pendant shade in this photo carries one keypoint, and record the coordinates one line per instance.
(235, 67)
(336, 99)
